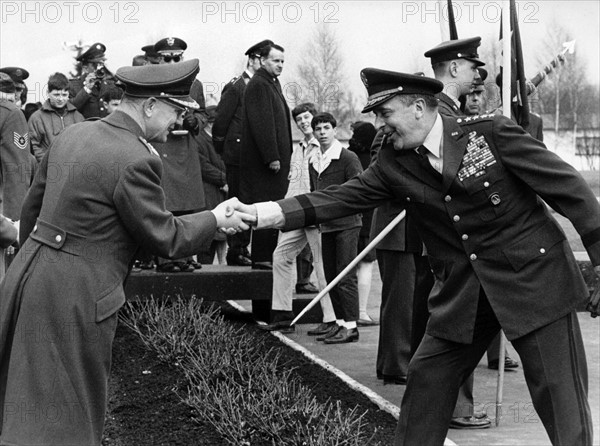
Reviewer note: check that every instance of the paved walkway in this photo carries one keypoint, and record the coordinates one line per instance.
(519, 425)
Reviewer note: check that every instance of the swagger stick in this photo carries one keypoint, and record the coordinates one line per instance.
(352, 264)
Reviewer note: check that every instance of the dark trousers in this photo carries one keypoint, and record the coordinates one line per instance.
(398, 281)
(237, 243)
(555, 371)
(304, 266)
(264, 243)
(339, 249)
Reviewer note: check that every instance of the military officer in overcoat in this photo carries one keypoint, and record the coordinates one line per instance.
(97, 198)
(227, 139)
(494, 248)
(86, 91)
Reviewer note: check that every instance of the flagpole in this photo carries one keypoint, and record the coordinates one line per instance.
(506, 60)
(506, 110)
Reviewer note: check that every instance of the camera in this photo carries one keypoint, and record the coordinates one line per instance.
(100, 72)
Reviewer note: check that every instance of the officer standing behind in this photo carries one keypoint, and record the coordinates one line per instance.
(266, 145)
(493, 247)
(82, 230)
(227, 139)
(86, 91)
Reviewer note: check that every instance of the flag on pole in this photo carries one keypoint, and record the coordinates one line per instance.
(452, 22)
(519, 105)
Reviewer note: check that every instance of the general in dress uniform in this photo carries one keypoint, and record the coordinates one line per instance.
(95, 200)
(494, 248)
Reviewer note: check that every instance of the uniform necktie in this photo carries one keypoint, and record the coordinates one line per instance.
(424, 161)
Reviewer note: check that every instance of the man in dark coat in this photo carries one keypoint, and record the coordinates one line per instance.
(101, 201)
(227, 139)
(493, 246)
(85, 91)
(266, 144)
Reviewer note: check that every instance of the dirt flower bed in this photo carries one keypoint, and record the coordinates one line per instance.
(147, 392)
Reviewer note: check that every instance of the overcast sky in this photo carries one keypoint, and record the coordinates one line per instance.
(386, 34)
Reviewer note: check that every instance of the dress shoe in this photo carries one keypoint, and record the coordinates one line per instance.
(280, 326)
(170, 267)
(239, 260)
(321, 329)
(367, 322)
(262, 265)
(195, 265)
(306, 288)
(470, 422)
(509, 363)
(185, 267)
(344, 336)
(147, 264)
(333, 330)
(394, 379)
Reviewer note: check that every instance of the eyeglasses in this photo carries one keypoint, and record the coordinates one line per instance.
(181, 112)
(172, 58)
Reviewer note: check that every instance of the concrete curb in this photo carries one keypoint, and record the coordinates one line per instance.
(377, 399)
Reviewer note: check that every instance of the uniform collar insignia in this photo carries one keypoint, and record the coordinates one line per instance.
(151, 149)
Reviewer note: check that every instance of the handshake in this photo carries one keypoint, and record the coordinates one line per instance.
(234, 216)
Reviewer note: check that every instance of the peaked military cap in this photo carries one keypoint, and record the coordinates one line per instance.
(456, 49)
(382, 85)
(149, 51)
(171, 82)
(254, 50)
(18, 75)
(170, 45)
(94, 53)
(7, 85)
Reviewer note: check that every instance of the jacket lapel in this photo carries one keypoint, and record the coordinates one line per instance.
(455, 144)
(409, 161)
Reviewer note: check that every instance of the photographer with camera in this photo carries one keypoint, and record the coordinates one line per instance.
(86, 90)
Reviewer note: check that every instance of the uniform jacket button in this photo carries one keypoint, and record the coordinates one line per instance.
(456, 218)
(486, 184)
(542, 250)
(465, 237)
(473, 257)
(447, 198)
(58, 238)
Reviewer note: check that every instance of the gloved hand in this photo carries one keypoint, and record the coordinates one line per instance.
(191, 124)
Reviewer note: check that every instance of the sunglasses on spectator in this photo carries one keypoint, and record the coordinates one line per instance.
(172, 58)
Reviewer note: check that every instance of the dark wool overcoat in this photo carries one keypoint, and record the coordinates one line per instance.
(182, 174)
(95, 200)
(483, 222)
(227, 128)
(267, 136)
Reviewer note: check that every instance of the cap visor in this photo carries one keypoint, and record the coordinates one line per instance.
(371, 104)
(185, 101)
